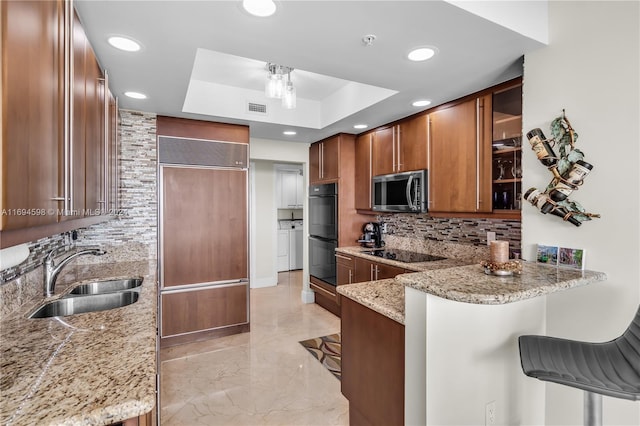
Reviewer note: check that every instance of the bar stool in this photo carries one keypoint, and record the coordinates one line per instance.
(610, 368)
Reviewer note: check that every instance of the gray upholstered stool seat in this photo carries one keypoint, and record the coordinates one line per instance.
(610, 368)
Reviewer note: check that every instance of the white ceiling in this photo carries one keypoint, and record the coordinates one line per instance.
(322, 41)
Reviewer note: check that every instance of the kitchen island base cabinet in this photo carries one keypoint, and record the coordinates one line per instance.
(372, 365)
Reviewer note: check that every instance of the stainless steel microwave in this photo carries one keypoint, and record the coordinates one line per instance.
(400, 192)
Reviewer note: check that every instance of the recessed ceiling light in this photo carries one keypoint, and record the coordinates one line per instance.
(421, 54)
(135, 95)
(289, 132)
(421, 103)
(360, 126)
(124, 43)
(260, 8)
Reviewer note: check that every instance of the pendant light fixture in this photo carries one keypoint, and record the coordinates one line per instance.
(289, 95)
(280, 86)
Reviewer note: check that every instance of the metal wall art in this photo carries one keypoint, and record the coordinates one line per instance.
(568, 167)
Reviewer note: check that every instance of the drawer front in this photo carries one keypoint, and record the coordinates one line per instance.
(204, 309)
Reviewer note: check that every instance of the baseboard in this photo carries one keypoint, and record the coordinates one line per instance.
(264, 282)
(308, 296)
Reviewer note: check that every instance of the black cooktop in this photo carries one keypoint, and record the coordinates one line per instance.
(403, 255)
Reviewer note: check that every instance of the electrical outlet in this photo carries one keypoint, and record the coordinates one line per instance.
(383, 228)
(491, 236)
(490, 413)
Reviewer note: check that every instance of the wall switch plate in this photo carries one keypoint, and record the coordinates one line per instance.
(491, 236)
(490, 413)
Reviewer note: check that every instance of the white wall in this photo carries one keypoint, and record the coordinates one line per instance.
(591, 69)
(267, 152)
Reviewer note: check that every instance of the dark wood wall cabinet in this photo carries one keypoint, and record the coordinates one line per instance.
(59, 124)
(471, 148)
(372, 365)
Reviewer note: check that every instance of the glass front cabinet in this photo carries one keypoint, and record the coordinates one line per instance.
(507, 150)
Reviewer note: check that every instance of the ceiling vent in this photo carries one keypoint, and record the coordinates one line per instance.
(255, 108)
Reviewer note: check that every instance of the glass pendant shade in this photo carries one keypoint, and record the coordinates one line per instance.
(280, 86)
(275, 83)
(289, 97)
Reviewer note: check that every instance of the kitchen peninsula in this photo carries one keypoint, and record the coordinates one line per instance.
(460, 335)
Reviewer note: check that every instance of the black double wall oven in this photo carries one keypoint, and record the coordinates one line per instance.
(323, 231)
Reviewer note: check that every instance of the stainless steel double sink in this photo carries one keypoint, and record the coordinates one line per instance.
(92, 297)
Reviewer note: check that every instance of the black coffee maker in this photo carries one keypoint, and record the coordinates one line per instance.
(372, 235)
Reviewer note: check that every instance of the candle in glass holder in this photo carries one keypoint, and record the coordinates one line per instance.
(499, 251)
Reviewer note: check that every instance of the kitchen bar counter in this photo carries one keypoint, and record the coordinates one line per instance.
(470, 284)
(461, 280)
(87, 369)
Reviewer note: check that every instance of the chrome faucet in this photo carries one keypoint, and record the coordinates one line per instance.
(51, 271)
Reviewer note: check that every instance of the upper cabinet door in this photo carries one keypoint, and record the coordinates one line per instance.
(363, 172)
(412, 144)
(324, 160)
(458, 155)
(33, 117)
(331, 158)
(383, 158)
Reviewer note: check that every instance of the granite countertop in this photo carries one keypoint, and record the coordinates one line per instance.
(471, 285)
(383, 296)
(86, 369)
(460, 278)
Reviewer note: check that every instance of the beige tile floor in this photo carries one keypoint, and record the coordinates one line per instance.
(264, 377)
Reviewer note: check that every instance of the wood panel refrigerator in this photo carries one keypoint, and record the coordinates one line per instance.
(203, 239)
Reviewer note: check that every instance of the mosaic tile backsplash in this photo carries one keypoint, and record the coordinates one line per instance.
(454, 230)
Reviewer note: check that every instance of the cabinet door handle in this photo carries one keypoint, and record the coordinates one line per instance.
(398, 148)
(478, 118)
(393, 149)
(429, 185)
(350, 275)
(371, 272)
(322, 161)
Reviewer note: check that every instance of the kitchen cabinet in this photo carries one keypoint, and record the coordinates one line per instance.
(345, 269)
(460, 157)
(367, 270)
(363, 171)
(89, 139)
(373, 352)
(400, 148)
(324, 160)
(290, 189)
(33, 115)
(507, 149)
(55, 135)
(383, 151)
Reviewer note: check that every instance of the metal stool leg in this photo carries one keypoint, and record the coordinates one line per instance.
(592, 409)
